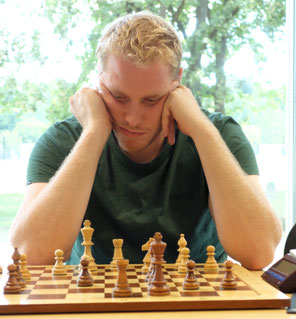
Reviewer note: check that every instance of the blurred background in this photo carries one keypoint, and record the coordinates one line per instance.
(236, 61)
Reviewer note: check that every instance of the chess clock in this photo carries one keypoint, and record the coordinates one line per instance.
(282, 275)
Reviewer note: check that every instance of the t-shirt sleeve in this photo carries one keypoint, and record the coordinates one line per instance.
(237, 142)
(50, 151)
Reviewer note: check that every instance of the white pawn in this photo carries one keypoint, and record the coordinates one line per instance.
(59, 268)
(182, 243)
(23, 267)
(185, 255)
(211, 264)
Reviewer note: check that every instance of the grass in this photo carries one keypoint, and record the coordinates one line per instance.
(9, 205)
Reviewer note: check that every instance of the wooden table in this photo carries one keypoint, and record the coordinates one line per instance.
(211, 314)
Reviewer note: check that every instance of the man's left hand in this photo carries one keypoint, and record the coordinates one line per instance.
(180, 106)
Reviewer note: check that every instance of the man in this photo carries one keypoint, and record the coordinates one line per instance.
(140, 156)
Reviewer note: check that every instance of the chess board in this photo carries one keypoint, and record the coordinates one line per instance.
(47, 294)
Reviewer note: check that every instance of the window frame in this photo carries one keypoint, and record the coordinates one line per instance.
(291, 112)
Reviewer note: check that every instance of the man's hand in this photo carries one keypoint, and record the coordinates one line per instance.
(53, 201)
(180, 106)
(247, 227)
(90, 110)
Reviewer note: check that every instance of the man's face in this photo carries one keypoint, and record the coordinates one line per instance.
(135, 98)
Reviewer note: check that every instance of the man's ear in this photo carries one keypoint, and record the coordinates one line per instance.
(180, 75)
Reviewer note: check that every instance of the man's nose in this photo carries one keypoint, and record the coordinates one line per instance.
(134, 114)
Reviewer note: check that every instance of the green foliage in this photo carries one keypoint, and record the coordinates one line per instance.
(30, 129)
(60, 91)
(248, 99)
(21, 96)
(3, 48)
(260, 109)
(9, 144)
(7, 122)
(211, 32)
(15, 130)
(21, 48)
(220, 28)
(9, 205)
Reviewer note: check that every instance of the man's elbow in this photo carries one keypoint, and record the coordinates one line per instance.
(260, 258)
(257, 264)
(36, 254)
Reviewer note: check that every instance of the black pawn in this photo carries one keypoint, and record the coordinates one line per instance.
(190, 282)
(228, 282)
(12, 286)
(84, 279)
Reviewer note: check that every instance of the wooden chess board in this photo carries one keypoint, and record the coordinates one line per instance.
(47, 294)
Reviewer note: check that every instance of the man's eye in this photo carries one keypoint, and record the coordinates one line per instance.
(150, 101)
(118, 97)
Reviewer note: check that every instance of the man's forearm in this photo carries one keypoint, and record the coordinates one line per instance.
(246, 224)
(52, 219)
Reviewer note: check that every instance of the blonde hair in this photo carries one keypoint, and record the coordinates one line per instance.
(143, 38)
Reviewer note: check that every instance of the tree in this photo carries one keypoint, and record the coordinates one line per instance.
(257, 106)
(212, 30)
(60, 91)
(19, 97)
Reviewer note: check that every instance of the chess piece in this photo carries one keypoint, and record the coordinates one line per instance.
(185, 254)
(122, 288)
(59, 269)
(182, 243)
(211, 265)
(12, 286)
(190, 282)
(228, 282)
(147, 258)
(23, 267)
(117, 243)
(158, 285)
(87, 232)
(16, 260)
(151, 269)
(84, 279)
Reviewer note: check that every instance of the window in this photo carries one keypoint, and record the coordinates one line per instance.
(41, 68)
(291, 106)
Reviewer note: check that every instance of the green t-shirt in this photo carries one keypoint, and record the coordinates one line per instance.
(133, 201)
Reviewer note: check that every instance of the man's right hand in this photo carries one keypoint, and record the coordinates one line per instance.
(50, 206)
(90, 110)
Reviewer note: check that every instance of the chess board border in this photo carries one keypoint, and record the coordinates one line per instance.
(266, 297)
